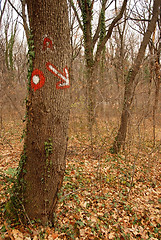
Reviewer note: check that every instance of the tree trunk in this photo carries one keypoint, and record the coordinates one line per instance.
(88, 45)
(42, 163)
(91, 80)
(156, 100)
(128, 98)
(157, 82)
(130, 82)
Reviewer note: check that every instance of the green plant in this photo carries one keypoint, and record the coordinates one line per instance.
(31, 56)
(48, 148)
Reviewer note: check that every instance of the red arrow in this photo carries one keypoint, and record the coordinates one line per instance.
(64, 77)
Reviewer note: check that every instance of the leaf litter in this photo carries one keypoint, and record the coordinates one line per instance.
(98, 199)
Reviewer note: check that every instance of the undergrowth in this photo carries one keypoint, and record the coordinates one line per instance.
(103, 196)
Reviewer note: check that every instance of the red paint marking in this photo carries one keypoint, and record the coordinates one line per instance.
(37, 79)
(64, 77)
(47, 43)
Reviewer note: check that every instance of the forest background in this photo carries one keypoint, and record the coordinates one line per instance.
(104, 195)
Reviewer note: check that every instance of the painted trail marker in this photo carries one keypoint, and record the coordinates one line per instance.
(64, 77)
(47, 43)
(37, 79)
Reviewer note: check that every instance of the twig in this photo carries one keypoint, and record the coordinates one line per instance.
(8, 231)
(25, 212)
(15, 9)
(71, 193)
(7, 141)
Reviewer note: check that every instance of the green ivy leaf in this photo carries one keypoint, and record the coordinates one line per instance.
(32, 53)
(11, 171)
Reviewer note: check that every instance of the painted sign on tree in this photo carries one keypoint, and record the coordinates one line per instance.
(64, 77)
(38, 78)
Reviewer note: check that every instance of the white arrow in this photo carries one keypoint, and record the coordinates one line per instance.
(64, 77)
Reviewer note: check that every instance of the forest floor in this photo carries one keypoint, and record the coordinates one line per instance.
(104, 196)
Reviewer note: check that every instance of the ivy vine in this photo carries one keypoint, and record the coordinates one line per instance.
(14, 208)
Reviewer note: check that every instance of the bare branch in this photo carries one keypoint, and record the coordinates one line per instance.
(80, 5)
(147, 35)
(138, 20)
(15, 9)
(3, 11)
(76, 14)
(23, 16)
(26, 28)
(92, 4)
(108, 35)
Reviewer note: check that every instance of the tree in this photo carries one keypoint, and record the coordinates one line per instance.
(23, 16)
(2, 11)
(155, 50)
(130, 83)
(42, 163)
(97, 40)
(12, 95)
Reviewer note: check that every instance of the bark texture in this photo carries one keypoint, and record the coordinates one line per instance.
(130, 81)
(48, 111)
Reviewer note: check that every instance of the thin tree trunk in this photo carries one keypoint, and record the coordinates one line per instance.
(87, 31)
(128, 98)
(130, 82)
(155, 109)
(42, 163)
(157, 83)
(91, 101)
(157, 88)
(1, 118)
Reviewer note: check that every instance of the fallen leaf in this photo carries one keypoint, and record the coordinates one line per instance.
(35, 238)
(17, 234)
(111, 235)
(54, 235)
(93, 219)
(27, 238)
(82, 232)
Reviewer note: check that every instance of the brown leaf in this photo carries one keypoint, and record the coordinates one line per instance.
(17, 234)
(111, 235)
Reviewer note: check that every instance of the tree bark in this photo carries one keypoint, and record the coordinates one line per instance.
(43, 164)
(91, 80)
(88, 45)
(131, 84)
